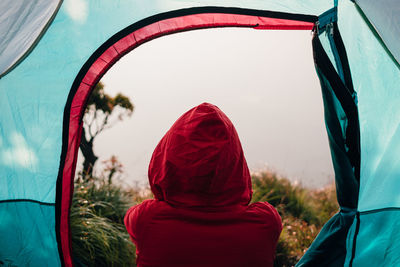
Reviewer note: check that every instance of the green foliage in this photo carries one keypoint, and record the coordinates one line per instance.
(325, 202)
(99, 237)
(102, 112)
(107, 200)
(279, 192)
(98, 100)
(303, 211)
(122, 101)
(101, 101)
(296, 237)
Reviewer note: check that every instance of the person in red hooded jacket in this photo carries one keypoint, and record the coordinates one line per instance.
(201, 214)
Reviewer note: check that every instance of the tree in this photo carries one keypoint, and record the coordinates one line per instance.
(112, 167)
(102, 112)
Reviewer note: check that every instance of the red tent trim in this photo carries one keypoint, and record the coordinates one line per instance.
(109, 54)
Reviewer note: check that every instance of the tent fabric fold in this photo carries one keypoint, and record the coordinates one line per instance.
(21, 25)
(385, 18)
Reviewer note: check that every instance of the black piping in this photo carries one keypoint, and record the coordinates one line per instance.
(126, 31)
(340, 90)
(353, 250)
(380, 210)
(59, 184)
(27, 200)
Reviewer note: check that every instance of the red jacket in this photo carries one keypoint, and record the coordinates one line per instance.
(202, 187)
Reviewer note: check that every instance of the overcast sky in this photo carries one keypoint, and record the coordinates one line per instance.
(263, 80)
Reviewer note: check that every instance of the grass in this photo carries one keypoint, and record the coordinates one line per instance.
(99, 237)
(303, 211)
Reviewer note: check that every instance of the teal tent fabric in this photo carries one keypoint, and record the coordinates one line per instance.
(377, 240)
(385, 18)
(27, 234)
(35, 91)
(375, 77)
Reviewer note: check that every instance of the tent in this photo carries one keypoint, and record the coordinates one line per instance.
(53, 52)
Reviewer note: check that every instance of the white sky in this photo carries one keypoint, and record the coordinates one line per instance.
(264, 81)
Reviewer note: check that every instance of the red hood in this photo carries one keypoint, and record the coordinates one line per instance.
(200, 162)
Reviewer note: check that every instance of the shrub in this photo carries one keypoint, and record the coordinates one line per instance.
(296, 237)
(287, 198)
(303, 211)
(99, 237)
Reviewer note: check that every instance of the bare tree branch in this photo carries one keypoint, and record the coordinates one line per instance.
(100, 110)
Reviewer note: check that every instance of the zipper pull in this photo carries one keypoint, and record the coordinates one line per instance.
(329, 29)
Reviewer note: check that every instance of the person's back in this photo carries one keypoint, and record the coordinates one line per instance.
(200, 215)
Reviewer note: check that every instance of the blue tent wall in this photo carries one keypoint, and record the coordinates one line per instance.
(376, 77)
(33, 96)
(384, 18)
